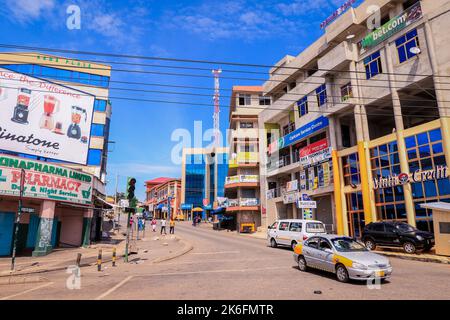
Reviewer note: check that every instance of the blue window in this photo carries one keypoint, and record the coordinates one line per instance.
(94, 157)
(404, 45)
(321, 94)
(97, 130)
(372, 65)
(435, 135)
(100, 105)
(302, 105)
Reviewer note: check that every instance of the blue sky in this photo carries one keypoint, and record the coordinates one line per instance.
(245, 31)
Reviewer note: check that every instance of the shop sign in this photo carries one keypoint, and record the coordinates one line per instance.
(326, 174)
(270, 194)
(440, 172)
(64, 61)
(44, 119)
(44, 181)
(307, 214)
(299, 134)
(313, 148)
(302, 180)
(315, 158)
(28, 210)
(306, 204)
(290, 197)
(124, 203)
(393, 26)
(347, 4)
(292, 185)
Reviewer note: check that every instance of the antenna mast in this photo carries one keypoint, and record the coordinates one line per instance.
(216, 73)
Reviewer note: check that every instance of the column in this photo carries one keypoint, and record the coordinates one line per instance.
(404, 166)
(43, 245)
(87, 222)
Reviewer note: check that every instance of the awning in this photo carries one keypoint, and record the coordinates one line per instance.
(160, 206)
(107, 203)
(197, 209)
(186, 206)
(218, 210)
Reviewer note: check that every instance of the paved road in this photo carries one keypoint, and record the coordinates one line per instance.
(228, 266)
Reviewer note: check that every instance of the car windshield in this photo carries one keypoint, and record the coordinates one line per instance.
(404, 227)
(315, 227)
(347, 245)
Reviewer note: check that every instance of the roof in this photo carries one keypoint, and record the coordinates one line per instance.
(159, 180)
(248, 88)
(439, 206)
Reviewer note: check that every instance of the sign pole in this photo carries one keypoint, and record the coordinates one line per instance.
(128, 237)
(16, 231)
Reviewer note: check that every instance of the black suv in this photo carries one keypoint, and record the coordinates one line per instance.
(396, 234)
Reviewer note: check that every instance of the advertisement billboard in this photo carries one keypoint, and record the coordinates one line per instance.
(44, 180)
(44, 119)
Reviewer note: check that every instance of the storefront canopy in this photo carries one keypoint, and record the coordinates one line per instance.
(160, 206)
(197, 209)
(218, 210)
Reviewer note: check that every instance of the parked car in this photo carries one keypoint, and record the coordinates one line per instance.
(343, 256)
(396, 234)
(290, 232)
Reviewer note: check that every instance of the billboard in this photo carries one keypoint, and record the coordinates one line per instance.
(44, 180)
(44, 119)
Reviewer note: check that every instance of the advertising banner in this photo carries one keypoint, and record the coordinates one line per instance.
(315, 158)
(292, 185)
(302, 180)
(326, 174)
(307, 214)
(393, 26)
(311, 179)
(44, 119)
(306, 204)
(290, 197)
(44, 181)
(313, 148)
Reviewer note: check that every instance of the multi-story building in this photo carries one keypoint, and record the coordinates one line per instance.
(203, 175)
(242, 182)
(62, 215)
(162, 192)
(377, 98)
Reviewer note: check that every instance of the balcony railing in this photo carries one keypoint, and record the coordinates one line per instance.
(242, 178)
(244, 158)
(281, 162)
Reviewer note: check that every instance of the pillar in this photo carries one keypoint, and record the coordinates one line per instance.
(43, 245)
(87, 223)
(339, 197)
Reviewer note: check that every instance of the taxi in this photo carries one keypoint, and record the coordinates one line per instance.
(343, 256)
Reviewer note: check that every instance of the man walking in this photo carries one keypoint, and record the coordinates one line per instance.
(153, 223)
(172, 226)
(163, 226)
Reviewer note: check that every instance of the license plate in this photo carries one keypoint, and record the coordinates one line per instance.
(379, 273)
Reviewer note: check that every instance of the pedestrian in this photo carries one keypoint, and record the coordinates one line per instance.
(194, 221)
(172, 226)
(163, 226)
(153, 224)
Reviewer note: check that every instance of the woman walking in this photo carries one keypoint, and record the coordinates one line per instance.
(153, 223)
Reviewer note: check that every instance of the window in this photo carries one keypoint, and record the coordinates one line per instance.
(378, 227)
(390, 228)
(97, 130)
(324, 244)
(288, 128)
(100, 105)
(321, 94)
(302, 105)
(283, 226)
(372, 65)
(351, 169)
(295, 227)
(264, 101)
(315, 227)
(94, 157)
(246, 125)
(346, 92)
(245, 99)
(405, 44)
(313, 243)
(274, 225)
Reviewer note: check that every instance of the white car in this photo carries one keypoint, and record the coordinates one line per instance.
(290, 232)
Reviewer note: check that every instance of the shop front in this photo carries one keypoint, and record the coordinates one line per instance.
(57, 207)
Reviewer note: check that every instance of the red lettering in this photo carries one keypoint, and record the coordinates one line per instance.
(15, 176)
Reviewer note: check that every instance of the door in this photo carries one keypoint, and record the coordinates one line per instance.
(326, 255)
(6, 232)
(32, 231)
(283, 233)
(311, 252)
(378, 233)
(391, 238)
(54, 232)
(295, 230)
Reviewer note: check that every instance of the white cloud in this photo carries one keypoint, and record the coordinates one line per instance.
(24, 11)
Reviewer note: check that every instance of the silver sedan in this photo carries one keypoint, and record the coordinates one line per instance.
(344, 256)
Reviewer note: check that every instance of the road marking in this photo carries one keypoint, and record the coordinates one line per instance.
(216, 252)
(26, 291)
(215, 260)
(121, 283)
(211, 271)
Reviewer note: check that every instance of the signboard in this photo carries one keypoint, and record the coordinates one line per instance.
(393, 26)
(440, 172)
(124, 203)
(44, 119)
(313, 148)
(306, 204)
(316, 158)
(302, 180)
(186, 206)
(311, 178)
(326, 174)
(44, 181)
(292, 185)
(290, 197)
(28, 210)
(347, 4)
(307, 214)
(299, 134)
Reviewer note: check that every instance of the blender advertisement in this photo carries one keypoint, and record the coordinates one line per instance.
(44, 119)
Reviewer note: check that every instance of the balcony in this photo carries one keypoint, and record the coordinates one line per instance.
(280, 163)
(242, 181)
(340, 55)
(248, 204)
(244, 159)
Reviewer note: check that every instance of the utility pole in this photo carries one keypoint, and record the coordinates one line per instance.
(16, 231)
(116, 211)
(216, 73)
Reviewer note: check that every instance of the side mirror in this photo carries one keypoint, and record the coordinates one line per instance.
(328, 250)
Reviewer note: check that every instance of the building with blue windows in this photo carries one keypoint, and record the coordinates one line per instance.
(204, 172)
(69, 224)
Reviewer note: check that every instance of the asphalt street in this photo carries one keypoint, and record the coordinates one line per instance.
(225, 265)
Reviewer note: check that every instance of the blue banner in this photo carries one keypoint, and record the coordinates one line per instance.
(303, 132)
(185, 206)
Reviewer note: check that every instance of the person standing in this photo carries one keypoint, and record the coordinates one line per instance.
(153, 223)
(172, 226)
(163, 226)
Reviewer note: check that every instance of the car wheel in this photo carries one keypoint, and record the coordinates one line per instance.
(342, 273)
(370, 245)
(293, 245)
(273, 243)
(302, 263)
(409, 247)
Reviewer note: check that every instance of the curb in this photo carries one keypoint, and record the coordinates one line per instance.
(414, 258)
(22, 280)
(188, 247)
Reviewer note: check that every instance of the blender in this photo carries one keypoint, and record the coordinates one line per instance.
(21, 109)
(51, 106)
(74, 130)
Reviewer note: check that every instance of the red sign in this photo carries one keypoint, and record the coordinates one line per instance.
(314, 147)
(205, 202)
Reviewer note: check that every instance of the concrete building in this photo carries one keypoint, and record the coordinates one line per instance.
(380, 100)
(242, 182)
(158, 192)
(75, 218)
(203, 175)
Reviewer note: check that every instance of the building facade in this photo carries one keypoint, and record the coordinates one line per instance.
(242, 183)
(369, 111)
(203, 175)
(58, 218)
(160, 193)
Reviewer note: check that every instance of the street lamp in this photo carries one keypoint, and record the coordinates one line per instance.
(22, 183)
